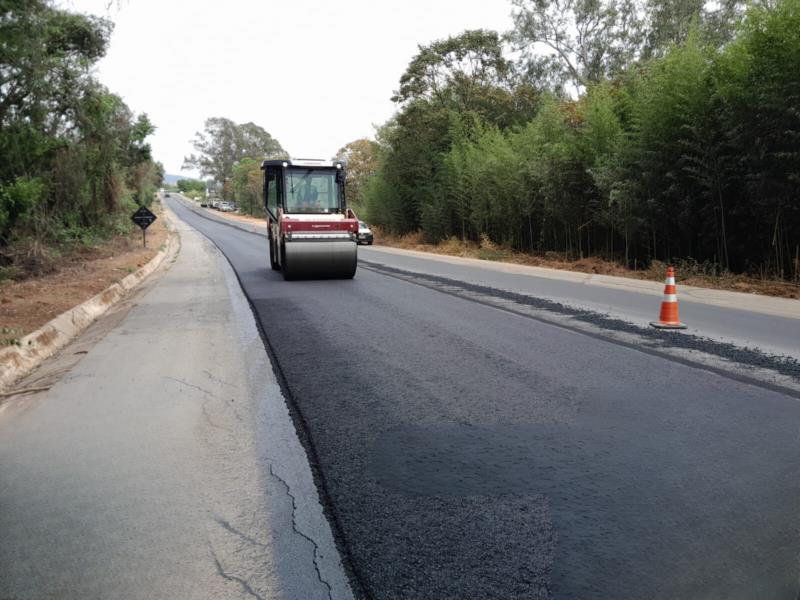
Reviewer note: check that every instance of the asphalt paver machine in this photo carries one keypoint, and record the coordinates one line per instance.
(312, 233)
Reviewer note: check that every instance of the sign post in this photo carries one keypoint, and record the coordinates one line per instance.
(143, 218)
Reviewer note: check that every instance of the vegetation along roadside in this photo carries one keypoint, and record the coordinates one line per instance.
(610, 137)
(74, 165)
(668, 134)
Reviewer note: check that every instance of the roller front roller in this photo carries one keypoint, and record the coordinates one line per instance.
(319, 260)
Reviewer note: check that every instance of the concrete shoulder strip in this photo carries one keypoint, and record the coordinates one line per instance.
(18, 361)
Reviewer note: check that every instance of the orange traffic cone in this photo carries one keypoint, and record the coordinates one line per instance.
(668, 319)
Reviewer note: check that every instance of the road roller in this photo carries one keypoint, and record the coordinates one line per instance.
(312, 232)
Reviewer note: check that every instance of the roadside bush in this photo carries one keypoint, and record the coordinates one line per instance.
(17, 200)
(75, 159)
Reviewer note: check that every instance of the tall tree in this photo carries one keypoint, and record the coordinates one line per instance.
(223, 143)
(468, 72)
(45, 57)
(590, 39)
(254, 142)
(73, 154)
(670, 22)
(361, 157)
(454, 69)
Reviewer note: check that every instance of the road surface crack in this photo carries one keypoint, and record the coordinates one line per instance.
(216, 379)
(242, 582)
(300, 533)
(231, 529)
(209, 397)
(191, 385)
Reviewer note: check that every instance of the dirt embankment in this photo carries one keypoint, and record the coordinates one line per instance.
(687, 272)
(79, 274)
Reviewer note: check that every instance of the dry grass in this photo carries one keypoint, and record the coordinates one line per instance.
(688, 272)
(28, 304)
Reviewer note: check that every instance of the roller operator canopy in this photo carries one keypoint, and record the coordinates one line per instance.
(303, 162)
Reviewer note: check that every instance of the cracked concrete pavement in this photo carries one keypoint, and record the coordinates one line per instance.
(164, 463)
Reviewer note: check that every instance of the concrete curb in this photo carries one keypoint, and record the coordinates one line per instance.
(18, 361)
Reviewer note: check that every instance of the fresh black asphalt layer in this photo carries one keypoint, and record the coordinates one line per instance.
(467, 452)
(749, 357)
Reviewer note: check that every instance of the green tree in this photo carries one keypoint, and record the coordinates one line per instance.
(604, 144)
(223, 143)
(73, 154)
(247, 189)
(454, 69)
(759, 92)
(467, 72)
(45, 58)
(682, 141)
(461, 75)
(588, 40)
(191, 186)
(361, 157)
(670, 23)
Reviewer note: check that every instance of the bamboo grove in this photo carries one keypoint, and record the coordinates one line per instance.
(687, 146)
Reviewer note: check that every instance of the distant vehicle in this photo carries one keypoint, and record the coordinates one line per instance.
(226, 207)
(214, 204)
(166, 194)
(364, 234)
(204, 203)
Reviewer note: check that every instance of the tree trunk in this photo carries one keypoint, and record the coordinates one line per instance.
(725, 260)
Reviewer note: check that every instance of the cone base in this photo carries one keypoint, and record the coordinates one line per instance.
(660, 325)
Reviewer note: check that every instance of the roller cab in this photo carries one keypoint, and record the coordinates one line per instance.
(312, 233)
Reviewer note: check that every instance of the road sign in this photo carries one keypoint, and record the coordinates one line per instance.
(143, 217)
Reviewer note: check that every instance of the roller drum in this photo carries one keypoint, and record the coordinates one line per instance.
(319, 259)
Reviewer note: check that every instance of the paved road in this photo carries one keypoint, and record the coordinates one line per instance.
(164, 464)
(774, 334)
(467, 452)
(773, 324)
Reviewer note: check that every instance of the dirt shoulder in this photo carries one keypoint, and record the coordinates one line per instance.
(688, 274)
(28, 304)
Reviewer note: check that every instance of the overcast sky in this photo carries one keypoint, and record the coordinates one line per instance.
(315, 74)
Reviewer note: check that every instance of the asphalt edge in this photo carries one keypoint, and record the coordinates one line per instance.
(309, 519)
(358, 585)
(769, 378)
(18, 361)
(776, 306)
